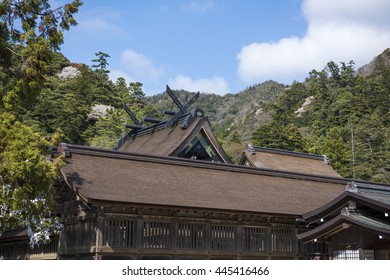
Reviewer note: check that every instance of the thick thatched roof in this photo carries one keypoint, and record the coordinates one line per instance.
(287, 161)
(107, 176)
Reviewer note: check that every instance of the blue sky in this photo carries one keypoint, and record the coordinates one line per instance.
(224, 46)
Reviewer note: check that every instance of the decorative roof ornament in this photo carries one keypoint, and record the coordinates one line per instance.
(182, 108)
(182, 114)
(351, 187)
(251, 149)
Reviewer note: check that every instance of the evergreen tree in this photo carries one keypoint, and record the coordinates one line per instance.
(30, 33)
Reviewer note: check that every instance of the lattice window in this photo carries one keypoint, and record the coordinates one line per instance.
(345, 254)
(118, 233)
(223, 238)
(253, 239)
(156, 235)
(200, 148)
(368, 254)
(191, 236)
(282, 240)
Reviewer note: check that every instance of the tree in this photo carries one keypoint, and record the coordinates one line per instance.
(101, 63)
(275, 135)
(31, 31)
(136, 91)
(26, 181)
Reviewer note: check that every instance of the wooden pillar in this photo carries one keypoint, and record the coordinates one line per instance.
(139, 230)
(239, 239)
(99, 233)
(295, 242)
(268, 241)
(173, 227)
(207, 237)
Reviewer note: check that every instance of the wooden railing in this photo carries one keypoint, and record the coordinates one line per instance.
(123, 233)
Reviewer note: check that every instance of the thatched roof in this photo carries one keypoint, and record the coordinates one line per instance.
(287, 161)
(106, 176)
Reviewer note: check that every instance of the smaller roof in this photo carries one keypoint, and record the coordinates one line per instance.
(372, 195)
(357, 206)
(283, 160)
(344, 221)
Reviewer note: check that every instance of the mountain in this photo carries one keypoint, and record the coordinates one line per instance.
(378, 64)
(338, 111)
(241, 112)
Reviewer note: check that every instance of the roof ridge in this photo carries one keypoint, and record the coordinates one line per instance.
(368, 187)
(286, 152)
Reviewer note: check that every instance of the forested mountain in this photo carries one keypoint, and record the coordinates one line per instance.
(340, 112)
(346, 118)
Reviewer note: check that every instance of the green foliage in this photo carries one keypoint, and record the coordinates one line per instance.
(101, 63)
(84, 124)
(26, 181)
(275, 135)
(234, 146)
(31, 31)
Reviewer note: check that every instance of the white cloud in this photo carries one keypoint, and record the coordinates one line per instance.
(140, 66)
(118, 73)
(216, 84)
(337, 30)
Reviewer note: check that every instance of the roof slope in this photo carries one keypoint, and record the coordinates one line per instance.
(344, 221)
(359, 205)
(288, 161)
(158, 140)
(101, 176)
